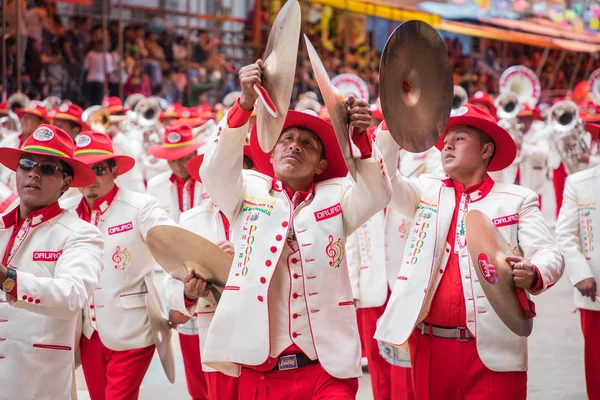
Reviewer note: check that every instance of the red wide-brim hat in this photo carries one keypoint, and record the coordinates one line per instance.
(193, 166)
(60, 146)
(173, 153)
(95, 147)
(593, 129)
(336, 165)
(125, 163)
(480, 118)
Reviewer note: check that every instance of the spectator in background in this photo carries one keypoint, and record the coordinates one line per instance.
(118, 72)
(169, 90)
(166, 42)
(37, 20)
(11, 18)
(98, 64)
(138, 82)
(156, 61)
(76, 42)
(204, 46)
(180, 51)
(54, 27)
(199, 82)
(55, 77)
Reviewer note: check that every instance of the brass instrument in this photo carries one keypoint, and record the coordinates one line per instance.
(52, 102)
(508, 107)
(132, 100)
(9, 125)
(460, 97)
(568, 135)
(97, 117)
(16, 101)
(522, 82)
(147, 111)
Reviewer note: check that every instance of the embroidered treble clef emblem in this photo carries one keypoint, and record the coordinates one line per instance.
(121, 258)
(335, 251)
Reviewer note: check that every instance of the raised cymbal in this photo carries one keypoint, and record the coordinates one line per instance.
(336, 106)
(488, 250)
(416, 87)
(179, 251)
(278, 75)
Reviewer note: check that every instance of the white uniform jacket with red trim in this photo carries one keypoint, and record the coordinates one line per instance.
(514, 210)
(260, 212)
(117, 309)
(578, 221)
(165, 192)
(58, 265)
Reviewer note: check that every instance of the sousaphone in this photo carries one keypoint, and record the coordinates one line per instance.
(415, 80)
(523, 82)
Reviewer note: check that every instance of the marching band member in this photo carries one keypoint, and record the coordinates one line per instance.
(68, 118)
(31, 118)
(118, 345)
(458, 346)
(176, 190)
(51, 264)
(579, 218)
(481, 98)
(207, 221)
(296, 332)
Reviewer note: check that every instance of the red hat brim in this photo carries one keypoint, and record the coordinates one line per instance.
(505, 148)
(84, 175)
(69, 117)
(172, 154)
(21, 111)
(336, 165)
(125, 163)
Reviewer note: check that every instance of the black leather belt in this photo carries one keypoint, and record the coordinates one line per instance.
(461, 333)
(293, 361)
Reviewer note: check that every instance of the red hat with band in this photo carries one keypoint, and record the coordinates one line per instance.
(50, 141)
(480, 118)
(179, 142)
(4, 108)
(173, 111)
(336, 165)
(193, 166)
(528, 111)
(484, 99)
(70, 112)
(114, 106)
(38, 110)
(95, 147)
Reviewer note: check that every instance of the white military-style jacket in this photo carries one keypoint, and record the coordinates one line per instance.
(165, 191)
(58, 263)
(7, 176)
(206, 221)
(117, 309)
(365, 251)
(578, 221)
(531, 161)
(515, 212)
(260, 212)
(133, 179)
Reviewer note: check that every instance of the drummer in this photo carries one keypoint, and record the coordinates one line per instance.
(118, 345)
(579, 218)
(296, 331)
(437, 305)
(209, 222)
(51, 264)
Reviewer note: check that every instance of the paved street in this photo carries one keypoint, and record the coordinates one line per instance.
(555, 362)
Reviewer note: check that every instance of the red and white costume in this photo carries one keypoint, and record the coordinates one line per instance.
(437, 285)
(578, 221)
(289, 272)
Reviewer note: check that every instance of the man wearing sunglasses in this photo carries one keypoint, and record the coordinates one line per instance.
(118, 343)
(51, 263)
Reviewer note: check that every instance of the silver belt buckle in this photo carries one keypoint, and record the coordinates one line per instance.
(461, 334)
(287, 362)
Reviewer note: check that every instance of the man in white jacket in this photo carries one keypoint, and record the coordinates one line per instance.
(459, 348)
(286, 322)
(50, 266)
(118, 342)
(578, 221)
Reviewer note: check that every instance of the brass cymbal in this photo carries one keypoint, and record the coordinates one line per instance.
(488, 250)
(336, 106)
(416, 86)
(179, 251)
(278, 74)
(161, 329)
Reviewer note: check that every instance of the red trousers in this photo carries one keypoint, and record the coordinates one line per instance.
(194, 376)
(387, 381)
(221, 386)
(113, 375)
(559, 176)
(590, 326)
(306, 383)
(450, 369)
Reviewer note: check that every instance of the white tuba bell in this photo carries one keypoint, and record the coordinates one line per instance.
(460, 97)
(568, 135)
(523, 82)
(507, 106)
(16, 101)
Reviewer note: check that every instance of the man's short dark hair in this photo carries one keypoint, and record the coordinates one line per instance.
(111, 163)
(66, 168)
(249, 162)
(484, 138)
